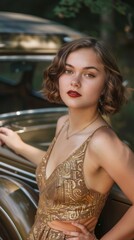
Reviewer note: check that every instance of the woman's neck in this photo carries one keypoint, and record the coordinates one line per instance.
(79, 119)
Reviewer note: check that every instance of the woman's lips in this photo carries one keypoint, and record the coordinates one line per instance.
(73, 94)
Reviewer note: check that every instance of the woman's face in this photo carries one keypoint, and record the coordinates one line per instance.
(82, 82)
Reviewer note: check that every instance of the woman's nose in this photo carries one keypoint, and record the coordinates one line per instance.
(75, 82)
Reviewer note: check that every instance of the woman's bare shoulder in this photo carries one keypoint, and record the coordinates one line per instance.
(110, 152)
(105, 143)
(103, 133)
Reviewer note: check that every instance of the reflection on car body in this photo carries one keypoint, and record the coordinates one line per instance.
(20, 33)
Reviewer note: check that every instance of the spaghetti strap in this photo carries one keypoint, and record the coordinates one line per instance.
(103, 126)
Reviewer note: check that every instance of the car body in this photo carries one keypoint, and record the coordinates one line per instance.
(27, 46)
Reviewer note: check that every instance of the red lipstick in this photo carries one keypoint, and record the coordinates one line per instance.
(73, 94)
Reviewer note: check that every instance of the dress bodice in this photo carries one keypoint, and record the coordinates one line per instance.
(64, 195)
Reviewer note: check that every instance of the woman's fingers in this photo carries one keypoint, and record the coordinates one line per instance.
(5, 131)
(75, 235)
(82, 228)
(9, 138)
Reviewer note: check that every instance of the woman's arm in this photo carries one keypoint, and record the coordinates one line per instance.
(12, 140)
(118, 161)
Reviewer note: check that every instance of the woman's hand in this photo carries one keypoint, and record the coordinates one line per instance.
(83, 235)
(10, 138)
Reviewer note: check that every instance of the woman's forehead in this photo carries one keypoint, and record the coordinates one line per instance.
(84, 57)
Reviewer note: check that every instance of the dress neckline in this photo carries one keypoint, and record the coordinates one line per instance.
(63, 162)
(70, 155)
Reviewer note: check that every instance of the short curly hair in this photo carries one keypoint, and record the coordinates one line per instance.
(114, 92)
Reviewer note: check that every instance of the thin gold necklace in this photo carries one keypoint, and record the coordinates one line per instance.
(69, 136)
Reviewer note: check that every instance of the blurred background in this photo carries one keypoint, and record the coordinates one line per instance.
(110, 20)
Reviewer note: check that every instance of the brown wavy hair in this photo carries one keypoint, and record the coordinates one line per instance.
(114, 94)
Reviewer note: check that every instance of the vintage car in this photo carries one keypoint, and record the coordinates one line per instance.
(27, 45)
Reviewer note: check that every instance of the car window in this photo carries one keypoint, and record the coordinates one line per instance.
(38, 75)
(9, 74)
(21, 81)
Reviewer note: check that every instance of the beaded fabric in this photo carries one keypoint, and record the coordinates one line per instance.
(65, 197)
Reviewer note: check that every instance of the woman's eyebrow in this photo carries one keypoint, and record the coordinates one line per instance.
(90, 67)
(69, 65)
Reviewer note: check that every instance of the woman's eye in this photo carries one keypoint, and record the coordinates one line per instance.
(89, 75)
(67, 71)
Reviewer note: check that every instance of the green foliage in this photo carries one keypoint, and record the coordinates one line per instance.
(122, 8)
(69, 8)
(98, 6)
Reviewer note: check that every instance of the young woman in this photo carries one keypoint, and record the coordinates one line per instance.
(86, 157)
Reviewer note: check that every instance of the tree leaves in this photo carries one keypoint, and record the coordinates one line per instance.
(70, 8)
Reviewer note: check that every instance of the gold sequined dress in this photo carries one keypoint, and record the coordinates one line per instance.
(64, 197)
